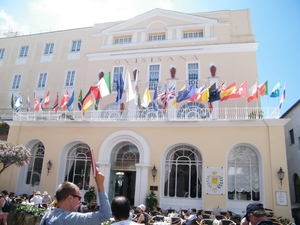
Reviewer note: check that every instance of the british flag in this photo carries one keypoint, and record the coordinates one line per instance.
(170, 93)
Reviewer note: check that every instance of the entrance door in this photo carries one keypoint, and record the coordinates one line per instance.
(122, 183)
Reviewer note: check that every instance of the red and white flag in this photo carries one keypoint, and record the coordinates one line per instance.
(252, 93)
(64, 101)
(47, 99)
(37, 104)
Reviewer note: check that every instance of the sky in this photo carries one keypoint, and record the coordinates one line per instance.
(275, 24)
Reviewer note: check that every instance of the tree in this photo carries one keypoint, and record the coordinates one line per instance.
(13, 154)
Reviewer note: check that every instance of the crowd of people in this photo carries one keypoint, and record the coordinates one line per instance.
(68, 200)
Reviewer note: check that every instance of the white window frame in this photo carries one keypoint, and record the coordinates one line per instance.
(193, 34)
(154, 71)
(122, 40)
(116, 75)
(2, 51)
(49, 47)
(76, 45)
(70, 78)
(16, 82)
(42, 80)
(157, 37)
(197, 72)
(24, 51)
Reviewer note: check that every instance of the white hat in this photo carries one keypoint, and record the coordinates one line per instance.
(38, 193)
(45, 193)
(142, 207)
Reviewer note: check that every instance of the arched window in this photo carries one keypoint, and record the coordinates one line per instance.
(79, 166)
(193, 110)
(127, 156)
(36, 164)
(297, 188)
(183, 173)
(243, 174)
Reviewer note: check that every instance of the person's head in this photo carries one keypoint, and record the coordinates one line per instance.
(4, 192)
(255, 213)
(120, 208)
(45, 193)
(141, 208)
(193, 211)
(33, 192)
(68, 195)
(38, 193)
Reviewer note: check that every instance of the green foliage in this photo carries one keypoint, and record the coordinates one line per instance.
(152, 201)
(90, 195)
(13, 154)
(4, 128)
(257, 114)
(285, 221)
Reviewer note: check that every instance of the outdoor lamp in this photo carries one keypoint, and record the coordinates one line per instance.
(154, 172)
(49, 165)
(280, 175)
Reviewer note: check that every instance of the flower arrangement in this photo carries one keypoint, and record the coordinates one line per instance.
(13, 154)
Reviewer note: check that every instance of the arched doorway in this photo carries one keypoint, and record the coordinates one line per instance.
(110, 147)
(124, 157)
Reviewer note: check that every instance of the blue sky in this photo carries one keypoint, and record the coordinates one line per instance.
(275, 24)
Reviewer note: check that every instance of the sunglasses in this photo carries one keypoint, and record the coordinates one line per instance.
(76, 196)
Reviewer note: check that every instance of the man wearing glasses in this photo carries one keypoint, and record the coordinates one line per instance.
(68, 201)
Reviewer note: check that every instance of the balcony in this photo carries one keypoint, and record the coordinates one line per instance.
(183, 114)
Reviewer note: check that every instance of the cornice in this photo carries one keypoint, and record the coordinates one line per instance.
(167, 51)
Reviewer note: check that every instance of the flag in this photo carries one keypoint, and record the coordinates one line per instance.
(186, 93)
(120, 89)
(282, 98)
(47, 99)
(240, 92)
(80, 100)
(214, 94)
(70, 102)
(275, 92)
(179, 96)
(263, 89)
(18, 103)
(161, 92)
(96, 92)
(195, 96)
(137, 99)
(28, 103)
(128, 87)
(65, 100)
(55, 105)
(96, 105)
(87, 101)
(12, 103)
(222, 87)
(224, 94)
(146, 98)
(204, 94)
(104, 85)
(170, 93)
(252, 93)
(37, 104)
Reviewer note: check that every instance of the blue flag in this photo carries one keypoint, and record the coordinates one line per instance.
(186, 93)
(70, 102)
(275, 92)
(120, 88)
(18, 103)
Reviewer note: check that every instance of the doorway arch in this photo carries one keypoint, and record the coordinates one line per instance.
(142, 168)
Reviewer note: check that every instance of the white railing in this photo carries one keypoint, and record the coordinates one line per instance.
(187, 114)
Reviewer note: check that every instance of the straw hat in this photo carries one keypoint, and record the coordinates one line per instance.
(142, 207)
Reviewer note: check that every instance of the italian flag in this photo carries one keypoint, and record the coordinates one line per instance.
(104, 85)
(263, 89)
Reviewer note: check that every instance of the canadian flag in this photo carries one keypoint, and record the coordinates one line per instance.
(47, 99)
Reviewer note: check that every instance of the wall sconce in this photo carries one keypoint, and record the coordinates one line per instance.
(154, 172)
(49, 165)
(280, 175)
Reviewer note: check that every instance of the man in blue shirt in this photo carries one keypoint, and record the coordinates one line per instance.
(68, 201)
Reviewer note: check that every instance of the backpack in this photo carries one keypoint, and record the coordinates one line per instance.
(7, 206)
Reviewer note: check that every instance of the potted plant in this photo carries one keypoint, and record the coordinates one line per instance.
(90, 196)
(152, 201)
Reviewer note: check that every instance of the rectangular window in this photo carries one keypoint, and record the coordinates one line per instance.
(193, 73)
(153, 76)
(157, 37)
(70, 79)
(2, 50)
(42, 80)
(76, 46)
(117, 71)
(16, 82)
(195, 34)
(120, 41)
(49, 49)
(292, 138)
(24, 51)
